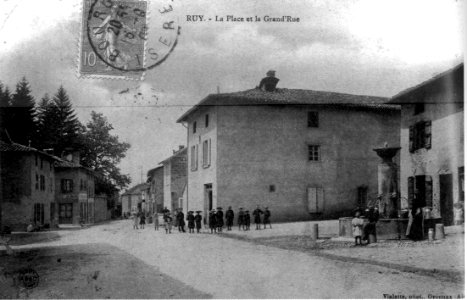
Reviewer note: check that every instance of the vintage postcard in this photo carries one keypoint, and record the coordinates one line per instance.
(159, 149)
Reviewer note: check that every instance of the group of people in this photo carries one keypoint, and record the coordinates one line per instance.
(362, 230)
(215, 220)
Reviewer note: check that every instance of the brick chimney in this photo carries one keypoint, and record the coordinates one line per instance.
(76, 157)
(71, 156)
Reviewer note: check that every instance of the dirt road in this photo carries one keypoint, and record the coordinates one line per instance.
(229, 268)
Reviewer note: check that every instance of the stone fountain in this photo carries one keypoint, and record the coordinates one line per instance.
(388, 190)
(390, 225)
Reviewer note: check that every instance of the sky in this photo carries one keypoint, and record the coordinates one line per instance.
(369, 47)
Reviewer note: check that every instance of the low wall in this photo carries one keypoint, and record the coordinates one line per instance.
(386, 229)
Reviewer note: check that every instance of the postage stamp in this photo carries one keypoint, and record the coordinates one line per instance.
(116, 41)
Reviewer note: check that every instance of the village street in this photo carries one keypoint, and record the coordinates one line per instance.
(224, 267)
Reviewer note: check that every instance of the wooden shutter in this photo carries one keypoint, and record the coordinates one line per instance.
(410, 191)
(196, 157)
(428, 134)
(411, 138)
(428, 191)
(209, 152)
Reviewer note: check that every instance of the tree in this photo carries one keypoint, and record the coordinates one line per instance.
(58, 126)
(67, 126)
(102, 152)
(22, 128)
(5, 111)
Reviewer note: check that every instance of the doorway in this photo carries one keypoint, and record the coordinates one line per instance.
(207, 201)
(65, 213)
(446, 199)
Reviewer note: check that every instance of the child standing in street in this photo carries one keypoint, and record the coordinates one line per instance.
(135, 221)
(155, 218)
(246, 220)
(458, 213)
(213, 221)
(191, 222)
(357, 226)
(142, 220)
(168, 223)
(198, 219)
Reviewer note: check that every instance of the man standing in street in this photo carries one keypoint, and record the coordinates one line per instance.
(229, 217)
(257, 214)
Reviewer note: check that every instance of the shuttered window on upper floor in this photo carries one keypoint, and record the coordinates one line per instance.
(206, 153)
(194, 157)
(420, 136)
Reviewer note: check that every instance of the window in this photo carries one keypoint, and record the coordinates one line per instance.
(42, 183)
(420, 191)
(206, 120)
(420, 136)
(36, 159)
(313, 152)
(194, 157)
(313, 119)
(207, 153)
(67, 185)
(315, 200)
(419, 108)
(362, 196)
(37, 181)
(272, 188)
(194, 127)
(42, 163)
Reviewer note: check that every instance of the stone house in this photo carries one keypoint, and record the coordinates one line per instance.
(432, 141)
(175, 179)
(75, 192)
(27, 186)
(305, 154)
(155, 179)
(134, 199)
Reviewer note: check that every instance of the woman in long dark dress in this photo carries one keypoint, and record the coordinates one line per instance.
(416, 230)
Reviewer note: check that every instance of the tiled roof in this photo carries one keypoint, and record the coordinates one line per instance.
(445, 81)
(136, 189)
(179, 152)
(153, 170)
(59, 163)
(292, 97)
(14, 147)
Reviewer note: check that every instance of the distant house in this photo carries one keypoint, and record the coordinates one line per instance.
(156, 188)
(27, 186)
(305, 154)
(75, 191)
(432, 141)
(134, 199)
(175, 179)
